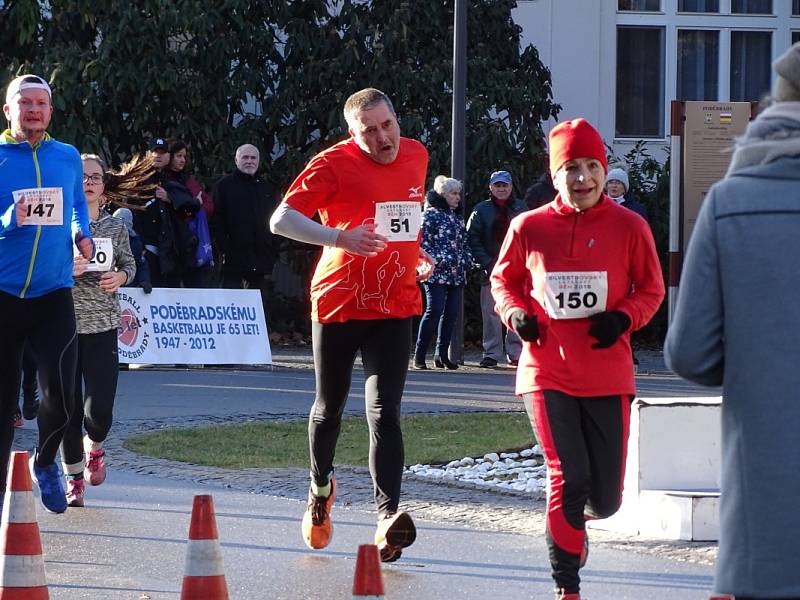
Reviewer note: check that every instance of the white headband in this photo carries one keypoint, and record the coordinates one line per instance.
(19, 84)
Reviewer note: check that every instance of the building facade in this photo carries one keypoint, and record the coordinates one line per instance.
(619, 63)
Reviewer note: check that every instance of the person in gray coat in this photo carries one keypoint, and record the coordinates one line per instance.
(486, 229)
(735, 325)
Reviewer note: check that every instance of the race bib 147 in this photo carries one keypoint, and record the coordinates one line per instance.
(45, 206)
(575, 294)
(399, 221)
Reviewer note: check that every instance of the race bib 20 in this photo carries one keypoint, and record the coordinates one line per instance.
(103, 255)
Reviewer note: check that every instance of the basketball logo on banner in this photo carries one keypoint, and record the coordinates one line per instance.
(132, 339)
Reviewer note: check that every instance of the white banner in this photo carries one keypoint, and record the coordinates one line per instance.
(191, 326)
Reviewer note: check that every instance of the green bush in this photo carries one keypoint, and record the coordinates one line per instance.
(649, 183)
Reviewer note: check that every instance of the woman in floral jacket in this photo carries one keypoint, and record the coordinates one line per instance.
(445, 239)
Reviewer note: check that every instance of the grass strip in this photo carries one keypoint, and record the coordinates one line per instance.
(429, 439)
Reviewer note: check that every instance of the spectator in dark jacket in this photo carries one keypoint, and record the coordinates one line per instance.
(540, 193)
(618, 187)
(169, 246)
(188, 219)
(142, 277)
(445, 239)
(243, 204)
(486, 230)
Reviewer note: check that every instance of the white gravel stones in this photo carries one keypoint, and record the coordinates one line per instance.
(521, 472)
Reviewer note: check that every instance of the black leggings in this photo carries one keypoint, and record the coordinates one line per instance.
(584, 441)
(47, 323)
(98, 368)
(28, 372)
(384, 345)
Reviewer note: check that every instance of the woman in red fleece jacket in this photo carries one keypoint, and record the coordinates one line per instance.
(573, 279)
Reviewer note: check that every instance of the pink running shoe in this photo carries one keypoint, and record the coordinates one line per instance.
(95, 471)
(75, 491)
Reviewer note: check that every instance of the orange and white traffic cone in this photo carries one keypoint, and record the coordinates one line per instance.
(21, 563)
(368, 582)
(204, 577)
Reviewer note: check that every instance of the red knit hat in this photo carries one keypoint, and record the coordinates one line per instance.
(575, 139)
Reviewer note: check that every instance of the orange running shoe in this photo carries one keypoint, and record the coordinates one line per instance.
(317, 526)
(562, 595)
(395, 532)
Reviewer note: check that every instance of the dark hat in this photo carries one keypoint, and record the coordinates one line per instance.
(159, 144)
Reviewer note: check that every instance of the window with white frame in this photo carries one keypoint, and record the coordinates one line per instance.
(698, 6)
(639, 5)
(640, 92)
(715, 50)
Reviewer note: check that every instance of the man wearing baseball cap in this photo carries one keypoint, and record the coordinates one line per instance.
(486, 228)
(573, 279)
(43, 216)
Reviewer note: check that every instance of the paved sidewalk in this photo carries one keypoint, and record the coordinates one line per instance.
(129, 543)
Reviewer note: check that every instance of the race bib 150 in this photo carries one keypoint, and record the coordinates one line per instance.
(399, 221)
(575, 294)
(45, 205)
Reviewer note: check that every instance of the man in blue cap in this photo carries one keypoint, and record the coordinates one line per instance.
(486, 229)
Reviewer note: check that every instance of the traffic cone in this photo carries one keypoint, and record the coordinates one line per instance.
(21, 563)
(204, 577)
(368, 582)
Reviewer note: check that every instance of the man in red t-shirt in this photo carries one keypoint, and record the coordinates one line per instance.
(367, 191)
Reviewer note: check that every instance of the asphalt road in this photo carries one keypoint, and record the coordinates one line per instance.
(166, 393)
(129, 542)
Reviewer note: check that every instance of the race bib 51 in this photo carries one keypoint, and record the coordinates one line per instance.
(575, 294)
(45, 206)
(399, 221)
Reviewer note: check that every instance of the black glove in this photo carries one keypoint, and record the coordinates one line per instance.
(607, 326)
(524, 325)
(147, 287)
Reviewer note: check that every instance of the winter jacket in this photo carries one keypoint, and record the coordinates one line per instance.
(444, 237)
(243, 205)
(735, 324)
(37, 259)
(556, 257)
(633, 204)
(163, 226)
(95, 310)
(481, 235)
(142, 277)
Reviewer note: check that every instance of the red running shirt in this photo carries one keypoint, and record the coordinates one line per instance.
(606, 242)
(349, 189)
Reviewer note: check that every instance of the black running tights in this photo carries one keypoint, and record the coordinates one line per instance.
(47, 324)
(385, 345)
(98, 369)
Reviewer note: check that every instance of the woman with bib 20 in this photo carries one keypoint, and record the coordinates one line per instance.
(98, 317)
(573, 279)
